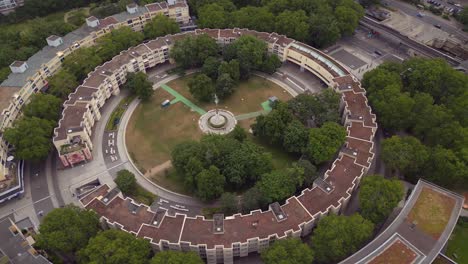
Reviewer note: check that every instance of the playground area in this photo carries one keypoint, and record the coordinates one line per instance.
(154, 130)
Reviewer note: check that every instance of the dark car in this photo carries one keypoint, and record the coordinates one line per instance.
(437, 26)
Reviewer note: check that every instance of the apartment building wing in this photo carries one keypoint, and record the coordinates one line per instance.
(357, 109)
(413, 236)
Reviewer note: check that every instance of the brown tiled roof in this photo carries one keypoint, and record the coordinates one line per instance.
(80, 92)
(53, 37)
(227, 33)
(94, 79)
(341, 176)
(169, 229)
(100, 191)
(358, 130)
(154, 7)
(6, 92)
(347, 82)
(239, 228)
(140, 49)
(107, 22)
(357, 106)
(118, 211)
(72, 117)
(157, 43)
(17, 63)
(361, 149)
(214, 33)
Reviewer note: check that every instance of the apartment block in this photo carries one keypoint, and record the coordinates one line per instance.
(8, 6)
(30, 77)
(224, 238)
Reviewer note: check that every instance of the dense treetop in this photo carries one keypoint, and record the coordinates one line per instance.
(427, 99)
(290, 250)
(319, 23)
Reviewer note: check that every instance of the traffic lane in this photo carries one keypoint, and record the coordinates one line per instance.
(38, 181)
(43, 207)
(413, 11)
(109, 147)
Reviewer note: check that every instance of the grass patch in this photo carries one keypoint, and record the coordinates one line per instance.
(248, 96)
(457, 248)
(4, 260)
(114, 119)
(431, 212)
(170, 180)
(142, 195)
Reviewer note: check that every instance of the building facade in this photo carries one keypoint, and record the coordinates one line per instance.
(30, 77)
(8, 6)
(225, 238)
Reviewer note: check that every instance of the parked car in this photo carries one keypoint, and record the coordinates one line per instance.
(437, 26)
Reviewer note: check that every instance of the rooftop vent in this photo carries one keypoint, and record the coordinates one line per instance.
(92, 21)
(54, 41)
(69, 130)
(18, 66)
(132, 8)
(106, 200)
(328, 189)
(155, 223)
(280, 216)
(354, 153)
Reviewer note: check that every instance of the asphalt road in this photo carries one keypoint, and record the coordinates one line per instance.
(39, 188)
(428, 18)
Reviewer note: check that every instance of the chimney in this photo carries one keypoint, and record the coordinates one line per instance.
(92, 21)
(18, 66)
(54, 41)
(132, 8)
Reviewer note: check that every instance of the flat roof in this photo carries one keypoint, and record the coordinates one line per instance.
(359, 108)
(433, 205)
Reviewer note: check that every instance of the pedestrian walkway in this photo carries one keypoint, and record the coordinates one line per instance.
(184, 100)
(250, 115)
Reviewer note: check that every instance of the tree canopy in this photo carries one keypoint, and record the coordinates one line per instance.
(31, 137)
(62, 84)
(280, 184)
(139, 85)
(176, 257)
(325, 141)
(44, 106)
(339, 236)
(210, 183)
(378, 197)
(427, 99)
(192, 51)
(67, 230)
(290, 250)
(160, 25)
(126, 181)
(115, 247)
(202, 88)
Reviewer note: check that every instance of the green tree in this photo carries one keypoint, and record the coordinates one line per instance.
(293, 24)
(176, 257)
(347, 18)
(192, 51)
(252, 17)
(224, 85)
(81, 62)
(252, 200)
(183, 152)
(139, 85)
(310, 172)
(210, 183)
(271, 64)
(378, 197)
(238, 133)
(115, 247)
(231, 68)
(321, 108)
(210, 67)
(249, 51)
(229, 203)
(62, 84)
(339, 236)
(393, 107)
(44, 106)
(212, 16)
(462, 16)
(444, 167)
(367, 3)
(296, 137)
(160, 25)
(323, 29)
(126, 181)
(324, 142)
(404, 154)
(68, 229)
(280, 184)
(290, 250)
(202, 88)
(31, 138)
(272, 126)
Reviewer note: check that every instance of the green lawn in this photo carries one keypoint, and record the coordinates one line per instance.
(153, 131)
(114, 119)
(458, 243)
